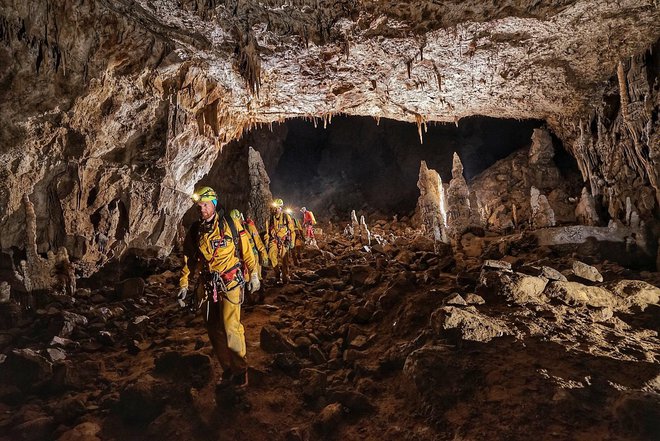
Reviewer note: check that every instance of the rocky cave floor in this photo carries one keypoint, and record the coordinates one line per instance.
(403, 341)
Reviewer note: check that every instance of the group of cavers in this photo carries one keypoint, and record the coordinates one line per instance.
(227, 253)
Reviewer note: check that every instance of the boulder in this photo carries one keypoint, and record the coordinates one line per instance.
(634, 293)
(273, 341)
(497, 264)
(314, 383)
(577, 294)
(87, 431)
(25, 369)
(454, 299)
(354, 401)
(552, 274)
(132, 288)
(586, 272)
(515, 287)
(469, 323)
(328, 419)
(364, 275)
(474, 299)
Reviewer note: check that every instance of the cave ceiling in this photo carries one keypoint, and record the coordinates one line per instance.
(434, 60)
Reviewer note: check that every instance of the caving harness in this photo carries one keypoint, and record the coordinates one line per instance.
(282, 242)
(217, 284)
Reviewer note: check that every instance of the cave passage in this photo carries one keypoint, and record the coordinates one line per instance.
(357, 163)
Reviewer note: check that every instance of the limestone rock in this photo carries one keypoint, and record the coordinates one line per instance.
(634, 293)
(586, 272)
(497, 264)
(542, 214)
(260, 196)
(25, 369)
(141, 401)
(5, 292)
(474, 299)
(586, 209)
(328, 418)
(470, 324)
(271, 340)
(514, 287)
(576, 294)
(314, 382)
(431, 203)
(552, 274)
(458, 201)
(541, 152)
(87, 431)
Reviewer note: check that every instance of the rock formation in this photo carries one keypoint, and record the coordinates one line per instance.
(458, 201)
(40, 275)
(542, 213)
(504, 189)
(585, 212)
(260, 196)
(431, 203)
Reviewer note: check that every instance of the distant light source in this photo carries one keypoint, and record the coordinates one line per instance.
(288, 211)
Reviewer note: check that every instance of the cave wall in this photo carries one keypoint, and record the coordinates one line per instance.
(107, 130)
(617, 143)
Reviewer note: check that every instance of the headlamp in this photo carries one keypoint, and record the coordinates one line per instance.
(288, 211)
(195, 197)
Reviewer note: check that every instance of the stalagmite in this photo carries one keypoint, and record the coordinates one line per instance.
(354, 221)
(38, 274)
(542, 214)
(458, 201)
(431, 203)
(260, 196)
(365, 234)
(586, 209)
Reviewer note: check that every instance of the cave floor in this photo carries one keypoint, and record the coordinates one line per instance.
(377, 347)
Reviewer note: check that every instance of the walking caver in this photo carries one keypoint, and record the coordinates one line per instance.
(296, 251)
(280, 237)
(308, 226)
(256, 245)
(219, 249)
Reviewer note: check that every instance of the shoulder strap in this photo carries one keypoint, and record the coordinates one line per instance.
(234, 236)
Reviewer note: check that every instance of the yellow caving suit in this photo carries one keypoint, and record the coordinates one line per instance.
(209, 248)
(258, 247)
(280, 234)
(296, 252)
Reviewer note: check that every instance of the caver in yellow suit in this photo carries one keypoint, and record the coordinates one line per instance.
(218, 247)
(296, 252)
(280, 237)
(256, 244)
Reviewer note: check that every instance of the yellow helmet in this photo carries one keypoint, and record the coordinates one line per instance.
(278, 203)
(235, 214)
(204, 194)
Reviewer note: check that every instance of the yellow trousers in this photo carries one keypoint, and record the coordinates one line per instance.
(225, 330)
(277, 255)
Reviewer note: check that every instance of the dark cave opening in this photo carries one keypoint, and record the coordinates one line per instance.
(363, 164)
(357, 163)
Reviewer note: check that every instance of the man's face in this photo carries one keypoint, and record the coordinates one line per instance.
(276, 210)
(206, 209)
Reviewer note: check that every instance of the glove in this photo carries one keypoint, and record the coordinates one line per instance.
(254, 284)
(181, 296)
(264, 261)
